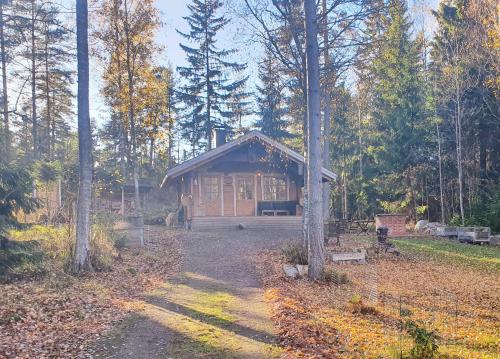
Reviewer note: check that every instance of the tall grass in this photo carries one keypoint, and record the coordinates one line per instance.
(42, 248)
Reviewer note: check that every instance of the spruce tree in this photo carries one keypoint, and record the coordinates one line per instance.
(399, 113)
(55, 84)
(271, 100)
(209, 87)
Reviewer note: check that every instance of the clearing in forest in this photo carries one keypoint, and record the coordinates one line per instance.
(214, 308)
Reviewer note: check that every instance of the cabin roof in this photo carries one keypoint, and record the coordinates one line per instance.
(217, 152)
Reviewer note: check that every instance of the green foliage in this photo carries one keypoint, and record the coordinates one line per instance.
(20, 258)
(47, 171)
(271, 100)
(208, 89)
(485, 211)
(36, 249)
(15, 195)
(425, 341)
(295, 253)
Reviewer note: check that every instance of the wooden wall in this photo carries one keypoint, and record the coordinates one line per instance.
(228, 203)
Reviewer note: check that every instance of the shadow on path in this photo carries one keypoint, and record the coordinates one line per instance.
(214, 308)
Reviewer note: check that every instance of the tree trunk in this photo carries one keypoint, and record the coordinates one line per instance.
(81, 261)
(316, 252)
(209, 98)
(326, 115)
(5, 101)
(305, 194)
(131, 114)
(440, 164)
(50, 125)
(458, 135)
(34, 123)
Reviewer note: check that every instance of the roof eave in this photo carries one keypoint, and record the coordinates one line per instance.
(220, 151)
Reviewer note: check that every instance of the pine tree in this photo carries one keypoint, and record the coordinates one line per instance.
(209, 86)
(271, 100)
(54, 83)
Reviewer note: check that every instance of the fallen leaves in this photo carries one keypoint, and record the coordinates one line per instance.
(59, 315)
(318, 321)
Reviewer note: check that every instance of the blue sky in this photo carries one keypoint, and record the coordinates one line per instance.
(172, 13)
(235, 35)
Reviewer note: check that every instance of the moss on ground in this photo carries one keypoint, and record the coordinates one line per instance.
(206, 321)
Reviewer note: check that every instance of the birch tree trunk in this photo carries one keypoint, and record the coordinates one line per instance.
(440, 163)
(326, 115)
(316, 251)
(81, 261)
(131, 114)
(458, 135)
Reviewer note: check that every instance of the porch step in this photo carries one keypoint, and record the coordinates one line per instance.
(260, 222)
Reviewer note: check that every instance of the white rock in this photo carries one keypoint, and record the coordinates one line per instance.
(421, 225)
(303, 269)
(290, 270)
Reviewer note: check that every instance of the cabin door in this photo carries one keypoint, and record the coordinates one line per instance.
(245, 196)
(211, 194)
(228, 196)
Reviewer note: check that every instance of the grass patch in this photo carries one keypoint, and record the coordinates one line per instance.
(445, 250)
(38, 249)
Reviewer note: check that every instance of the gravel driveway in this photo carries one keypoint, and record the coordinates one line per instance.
(213, 308)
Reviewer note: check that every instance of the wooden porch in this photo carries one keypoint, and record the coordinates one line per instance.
(285, 223)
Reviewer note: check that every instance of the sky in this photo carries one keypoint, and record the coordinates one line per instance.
(235, 35)
(171, 14)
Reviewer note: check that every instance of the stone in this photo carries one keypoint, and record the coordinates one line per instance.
(241, 226)
(357, 257)
(421, 225)
(303, 269)
(495, 240)
(290, 271)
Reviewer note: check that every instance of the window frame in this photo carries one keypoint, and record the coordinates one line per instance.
(210, 185)
(275, 190)
(249, 185)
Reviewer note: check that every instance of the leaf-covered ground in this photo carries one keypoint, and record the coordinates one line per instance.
(458, 298)
(57, 315)
(212, 308)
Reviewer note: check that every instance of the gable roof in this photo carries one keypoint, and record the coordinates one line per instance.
(228, 147)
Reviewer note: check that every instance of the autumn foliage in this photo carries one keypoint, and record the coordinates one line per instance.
(59, 315)
(455, 304)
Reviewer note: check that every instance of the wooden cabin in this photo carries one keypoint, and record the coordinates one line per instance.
(252, 181)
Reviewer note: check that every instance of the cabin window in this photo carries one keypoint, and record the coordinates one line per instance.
(211, 188)
(274, 189)
(245, 188)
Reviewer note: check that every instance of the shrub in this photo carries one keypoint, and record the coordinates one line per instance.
(425, 342)
(50, 246)
(54, 242)
(102, 247)
(329, 275)
(485, 210)
(295, 253)
(20, 259)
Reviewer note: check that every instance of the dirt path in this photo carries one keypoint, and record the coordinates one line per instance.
(213, 308)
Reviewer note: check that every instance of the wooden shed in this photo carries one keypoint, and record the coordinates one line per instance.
(252, 180)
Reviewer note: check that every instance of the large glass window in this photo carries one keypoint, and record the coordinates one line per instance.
(245, 187)
(211, 187)
(274, 189)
